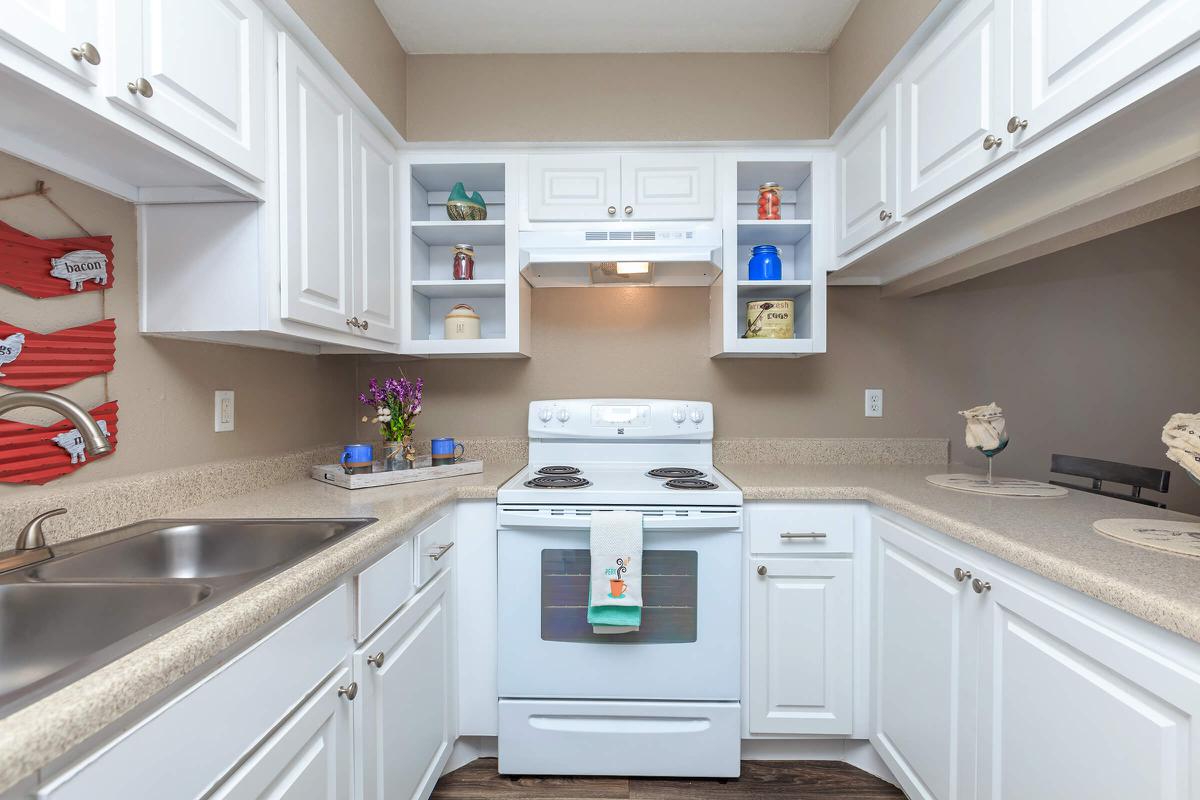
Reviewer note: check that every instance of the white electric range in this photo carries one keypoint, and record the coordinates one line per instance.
(663, 700)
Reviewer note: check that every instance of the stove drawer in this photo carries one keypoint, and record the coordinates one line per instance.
(800, 529)
(590, 737)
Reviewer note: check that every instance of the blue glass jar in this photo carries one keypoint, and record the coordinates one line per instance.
(765, 263)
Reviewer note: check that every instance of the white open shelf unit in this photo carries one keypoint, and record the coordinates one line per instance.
(804, 247)
(428, 289)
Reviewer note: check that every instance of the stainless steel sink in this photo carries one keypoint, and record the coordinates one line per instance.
(102, 596)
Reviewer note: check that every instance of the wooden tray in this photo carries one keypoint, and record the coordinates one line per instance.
(422, 471)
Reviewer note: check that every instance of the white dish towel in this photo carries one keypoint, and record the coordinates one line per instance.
(616, 574)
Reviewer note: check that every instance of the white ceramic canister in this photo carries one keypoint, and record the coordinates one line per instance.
(770, 319)
(462, 322)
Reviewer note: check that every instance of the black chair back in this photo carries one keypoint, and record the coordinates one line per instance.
(1137, 478)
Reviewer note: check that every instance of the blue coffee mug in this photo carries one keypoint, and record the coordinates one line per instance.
(445, 450)
(357, 455)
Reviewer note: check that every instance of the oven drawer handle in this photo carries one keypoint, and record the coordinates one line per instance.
(807, 535)
(726, 522)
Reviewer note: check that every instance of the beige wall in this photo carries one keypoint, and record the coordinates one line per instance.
(359, 37)
(638, 97)
(1088, 350)
(165, 388)
(870, 39)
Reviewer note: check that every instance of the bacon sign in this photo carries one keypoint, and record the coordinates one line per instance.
(40, 361)
(54, 267)
(37, 454)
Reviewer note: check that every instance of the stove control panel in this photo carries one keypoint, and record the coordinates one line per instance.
(617, 420)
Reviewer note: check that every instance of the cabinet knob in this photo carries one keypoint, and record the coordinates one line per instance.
(762, 569)
(980, 586)
(353, 322)
(885, 215)
(376, 660)
(363, 325)
(612, 210)
(140, 86)
(86, 51)
(628, 209)
(1017, 124)
(961, 574)
(991, 142)
(349, 692)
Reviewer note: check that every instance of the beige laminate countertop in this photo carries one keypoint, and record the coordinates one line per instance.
(1051, 537)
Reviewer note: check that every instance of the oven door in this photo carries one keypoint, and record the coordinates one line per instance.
(688, 647)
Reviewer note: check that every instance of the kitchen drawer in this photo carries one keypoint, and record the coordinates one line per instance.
(383, 587)
(183, 749)
(432, 548)
(801, 529)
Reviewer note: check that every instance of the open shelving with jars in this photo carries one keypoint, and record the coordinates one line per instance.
(498, 293)
(801, 235)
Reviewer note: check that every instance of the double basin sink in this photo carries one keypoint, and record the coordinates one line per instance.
(103, 596)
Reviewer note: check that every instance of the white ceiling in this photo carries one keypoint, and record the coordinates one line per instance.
(616, 26)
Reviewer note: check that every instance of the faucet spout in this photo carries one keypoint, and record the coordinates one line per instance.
(94, 440)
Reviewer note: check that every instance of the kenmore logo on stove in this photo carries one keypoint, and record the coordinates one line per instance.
(620, 431)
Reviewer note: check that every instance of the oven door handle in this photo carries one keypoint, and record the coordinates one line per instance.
(730, 521)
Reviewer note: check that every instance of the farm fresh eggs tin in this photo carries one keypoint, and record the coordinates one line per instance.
(770, 319)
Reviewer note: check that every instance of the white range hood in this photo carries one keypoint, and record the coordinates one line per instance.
(621, 257)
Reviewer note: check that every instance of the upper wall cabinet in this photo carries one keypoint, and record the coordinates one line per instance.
(596, 187)
(1070, 52)
(65, 34)
(866, 176)
(196, 69)
(955, 101)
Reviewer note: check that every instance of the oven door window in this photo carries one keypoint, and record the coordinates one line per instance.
(668, 592)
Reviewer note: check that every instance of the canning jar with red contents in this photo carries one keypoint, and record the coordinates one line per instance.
(769, 204)
(464, 262)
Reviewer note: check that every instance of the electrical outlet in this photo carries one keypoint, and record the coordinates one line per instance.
(223, 411)
(874, 402)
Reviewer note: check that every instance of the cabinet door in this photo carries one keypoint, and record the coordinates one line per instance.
(52, 29)
(203, 60)
(801, 645)
(407, 715)
(574, 187)
(926, 665)
(866, 175)
(955, 92)
(1071, 709)
(308, 758)
(666, 186)
(316, 190)
(376, 220)
(1068, 53)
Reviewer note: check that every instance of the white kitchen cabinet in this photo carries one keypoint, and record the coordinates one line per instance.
(376, 173)
(316, 190)
(596, 187)
(955, 93)
(801, 646)
(925, 653)
(308, 758)
(867, 168)
(476, 587)
(1067, 53)
(59, 32)
(407, 719)
(196, 69)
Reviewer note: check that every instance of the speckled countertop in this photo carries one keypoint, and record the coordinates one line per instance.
(1051, 537)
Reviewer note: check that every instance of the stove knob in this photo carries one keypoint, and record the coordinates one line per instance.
(563, 415)
(546, 414)
(697, 416)
(678, 416)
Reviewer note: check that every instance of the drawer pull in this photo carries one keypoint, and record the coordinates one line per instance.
(441, 551)
(349, 692)
(376, 660)
(809, 535)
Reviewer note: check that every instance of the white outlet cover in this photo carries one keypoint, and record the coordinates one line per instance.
(223, 411)
(874, 403)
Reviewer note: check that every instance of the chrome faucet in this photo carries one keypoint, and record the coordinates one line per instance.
(94, 440)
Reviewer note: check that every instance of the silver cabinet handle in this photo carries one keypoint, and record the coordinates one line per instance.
(762, 569)
(961, 574)
(376, 660)
(980, 586)
(990, 142)
(140, 86)
(364, 325)
(349, 692)
(885, 215)
(612, 210)
(810, 535)
(1015, 124)
(441, 551)
(628, 209)
(354, 323)
(86, 51)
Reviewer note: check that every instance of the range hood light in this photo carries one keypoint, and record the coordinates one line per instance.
(633, 267)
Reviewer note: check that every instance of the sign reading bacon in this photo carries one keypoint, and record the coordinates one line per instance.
(54, 267)
(40, 361)
(37, 454)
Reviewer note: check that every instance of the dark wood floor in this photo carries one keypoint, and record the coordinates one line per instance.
(779, 780)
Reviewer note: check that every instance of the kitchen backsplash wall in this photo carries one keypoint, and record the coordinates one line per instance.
(1088, 350)
(283, 401)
